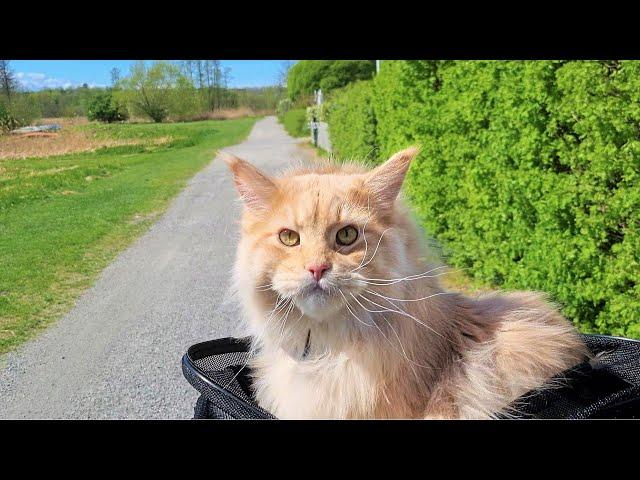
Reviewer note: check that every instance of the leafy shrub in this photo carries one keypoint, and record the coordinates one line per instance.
(150, 90)
(283, 107)
(316, 111)
(306, 76)
(20, 112)
(352, 122)
(343, 72)
(7, 121)
(529, 173)
(104, 108)
(295, 122)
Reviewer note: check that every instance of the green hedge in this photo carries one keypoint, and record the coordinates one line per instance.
(529, 174)
(352, 123)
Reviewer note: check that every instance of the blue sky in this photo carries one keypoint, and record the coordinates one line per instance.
(38, 74)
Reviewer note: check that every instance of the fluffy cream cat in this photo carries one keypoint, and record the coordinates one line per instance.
(350, 322)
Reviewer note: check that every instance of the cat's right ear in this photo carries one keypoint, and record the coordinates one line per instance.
(385, 181)
(255, 188)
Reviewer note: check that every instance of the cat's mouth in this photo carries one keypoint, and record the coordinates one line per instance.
(317, 288)
(316, 300)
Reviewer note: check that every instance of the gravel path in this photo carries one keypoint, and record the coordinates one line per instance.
(117, 353)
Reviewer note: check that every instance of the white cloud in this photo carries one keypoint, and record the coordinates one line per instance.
(38, 81)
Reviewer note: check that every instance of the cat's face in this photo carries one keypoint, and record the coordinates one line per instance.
(319, 238)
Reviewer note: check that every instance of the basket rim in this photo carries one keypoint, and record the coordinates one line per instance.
(210, 346)
(241, 344)
(614, 337)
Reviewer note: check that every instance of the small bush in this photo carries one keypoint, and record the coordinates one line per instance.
(104, 108)
(317, 112)
(295, 122)
(283, 107)
(20, 112)
(7, 121)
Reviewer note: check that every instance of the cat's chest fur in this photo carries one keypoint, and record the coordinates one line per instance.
(331, 386)
(344, 384)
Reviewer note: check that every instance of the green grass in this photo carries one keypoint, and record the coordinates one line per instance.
(295, 122)
(321, 151)
(64, 218)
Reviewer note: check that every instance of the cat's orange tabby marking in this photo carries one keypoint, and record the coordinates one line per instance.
(361, 328)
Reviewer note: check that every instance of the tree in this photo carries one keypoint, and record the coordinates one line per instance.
(149, 89)
(8, 82)
(306, 76)
(281, 79)
(115, 76)
(342, 72)
(105, 108)
(212, 84)
(187, 69)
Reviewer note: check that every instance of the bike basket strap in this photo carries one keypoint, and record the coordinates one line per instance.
(217, 370)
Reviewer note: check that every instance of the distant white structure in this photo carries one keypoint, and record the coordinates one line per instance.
(54, 127)
(318, 96)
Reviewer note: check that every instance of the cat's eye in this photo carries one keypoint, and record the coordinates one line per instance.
(347, 235)
(289, 237)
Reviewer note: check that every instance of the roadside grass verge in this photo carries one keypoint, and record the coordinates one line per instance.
(295, 122)
(321, 152)
(64, 218)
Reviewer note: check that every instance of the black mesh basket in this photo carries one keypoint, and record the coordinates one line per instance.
(608, 388)
(217, 370)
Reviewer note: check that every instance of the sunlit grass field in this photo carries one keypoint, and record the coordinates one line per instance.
(64, 218)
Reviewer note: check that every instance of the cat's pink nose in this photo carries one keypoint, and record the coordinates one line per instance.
(317, 270)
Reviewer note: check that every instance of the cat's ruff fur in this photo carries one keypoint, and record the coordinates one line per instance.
(421, 352)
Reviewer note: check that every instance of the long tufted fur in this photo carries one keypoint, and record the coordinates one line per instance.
(386, 341)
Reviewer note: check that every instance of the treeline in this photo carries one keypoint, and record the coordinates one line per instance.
(183, 90)
(187, 90)
(529, 173)
(60, 102)
(15, 109)
(307, 76)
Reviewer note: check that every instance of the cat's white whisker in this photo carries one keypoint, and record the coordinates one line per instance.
(394, 330)
(280, 305)
(281, 321)
(351, 312)
(364, 237)
(252, 350)
(385, 283)
(410, 299)
(374, 252)
(417, 276)
(252, 347)
(411, 362)
(405, 314)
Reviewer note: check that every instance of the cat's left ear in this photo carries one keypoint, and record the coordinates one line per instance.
(385, 181)
(255, 188)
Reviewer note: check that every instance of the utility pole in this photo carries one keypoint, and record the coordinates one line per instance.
(378, 66)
